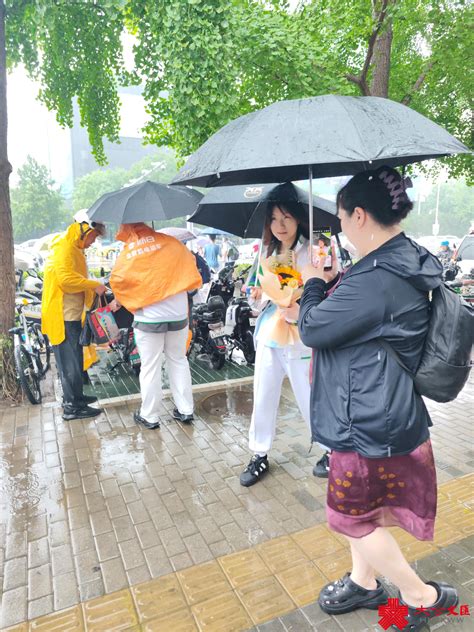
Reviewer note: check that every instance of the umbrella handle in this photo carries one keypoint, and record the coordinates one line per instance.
(310, 208)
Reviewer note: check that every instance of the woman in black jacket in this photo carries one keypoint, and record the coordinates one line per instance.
(364, 405)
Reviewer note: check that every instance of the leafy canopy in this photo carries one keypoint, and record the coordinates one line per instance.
(37, 207)
(456, 202)
(202, 63)
(158, 167)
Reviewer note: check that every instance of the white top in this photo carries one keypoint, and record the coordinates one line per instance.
(171, 309)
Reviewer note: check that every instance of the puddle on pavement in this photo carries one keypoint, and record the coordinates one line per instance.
(235, 406)
(20, 490)
(119, 451)
(227, 405)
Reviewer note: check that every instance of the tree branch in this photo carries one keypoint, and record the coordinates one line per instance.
(360, 83)
(370, 49)
(417, 85)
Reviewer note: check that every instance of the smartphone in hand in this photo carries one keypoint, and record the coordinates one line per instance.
(322, 246)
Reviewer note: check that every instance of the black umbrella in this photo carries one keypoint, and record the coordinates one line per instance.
(241, 209)
(319, 137)
(322, 136)
(144, 202)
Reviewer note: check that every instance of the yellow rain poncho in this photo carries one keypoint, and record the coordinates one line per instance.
(66, 273)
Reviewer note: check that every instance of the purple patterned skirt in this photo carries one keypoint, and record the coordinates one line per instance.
(399, 491)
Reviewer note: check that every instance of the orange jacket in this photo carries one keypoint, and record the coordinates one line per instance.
(151, 267)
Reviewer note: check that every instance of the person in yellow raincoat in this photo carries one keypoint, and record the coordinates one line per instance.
(67, 290)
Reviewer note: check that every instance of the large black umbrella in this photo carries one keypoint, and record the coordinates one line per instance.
(319, 137)
(241, 209)
(144, 202)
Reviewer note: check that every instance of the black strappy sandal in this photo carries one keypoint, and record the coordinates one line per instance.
(418, 619)
(344, 595)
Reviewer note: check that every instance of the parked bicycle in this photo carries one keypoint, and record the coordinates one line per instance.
(32, 351)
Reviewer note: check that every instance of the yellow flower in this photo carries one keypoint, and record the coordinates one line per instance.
(293, 283)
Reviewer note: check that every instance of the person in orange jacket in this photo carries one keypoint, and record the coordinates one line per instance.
(67, 291)
(151, 278)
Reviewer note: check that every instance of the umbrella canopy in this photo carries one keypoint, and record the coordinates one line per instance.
(183, 234)
(144, 202)
(334, 135)
(212, 231)
(241, 209)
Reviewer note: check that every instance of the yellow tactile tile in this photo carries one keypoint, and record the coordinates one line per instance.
(317, 541)
(302, 582)
(158, 597)
(401, 536)
(265, 599)
(334, 566)
(223, 613)
(281, 553)
(110, 612)
(199, 582)
(418, 549)
(177, 621)
(162, 607)
(459, 488)
(69, 620)
(445, 534)
(243, 567)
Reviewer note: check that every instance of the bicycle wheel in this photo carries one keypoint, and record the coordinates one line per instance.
(42, 344)
(29, 380)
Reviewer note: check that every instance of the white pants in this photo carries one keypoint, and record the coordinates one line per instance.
(271, 366)
(151, 347)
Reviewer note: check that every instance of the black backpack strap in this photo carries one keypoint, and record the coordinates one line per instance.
(390, 350)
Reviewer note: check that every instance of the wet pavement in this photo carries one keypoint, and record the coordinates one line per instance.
(112, 526)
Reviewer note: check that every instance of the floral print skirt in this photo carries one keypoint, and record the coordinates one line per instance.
(400, 491)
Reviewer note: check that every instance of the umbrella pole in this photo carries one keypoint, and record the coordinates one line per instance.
(310, 208)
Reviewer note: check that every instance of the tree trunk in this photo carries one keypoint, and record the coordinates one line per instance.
(381, 61)
(7, 270)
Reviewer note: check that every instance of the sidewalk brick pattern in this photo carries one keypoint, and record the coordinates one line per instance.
(95, 507)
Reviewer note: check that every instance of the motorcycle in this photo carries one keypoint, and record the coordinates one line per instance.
(208, 333)
(240, 318)
(450, 270)
(464, 286)
(239, 328)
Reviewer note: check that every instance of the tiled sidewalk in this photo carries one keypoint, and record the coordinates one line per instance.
(95, 507)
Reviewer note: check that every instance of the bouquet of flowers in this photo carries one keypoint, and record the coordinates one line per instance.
(282, 284)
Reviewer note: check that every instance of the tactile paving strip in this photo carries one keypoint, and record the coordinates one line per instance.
(252, 586)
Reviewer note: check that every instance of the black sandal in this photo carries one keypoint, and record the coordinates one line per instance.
(344, 595)
(418, 617)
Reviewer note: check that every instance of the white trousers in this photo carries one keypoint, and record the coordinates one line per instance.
(151, 347)
(271, 366)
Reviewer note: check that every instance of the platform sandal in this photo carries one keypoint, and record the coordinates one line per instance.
(344, 595)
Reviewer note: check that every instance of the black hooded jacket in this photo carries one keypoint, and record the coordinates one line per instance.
(361, 399)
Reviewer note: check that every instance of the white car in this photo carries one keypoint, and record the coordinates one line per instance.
(27, 259)
(464, 254)
(433, 244)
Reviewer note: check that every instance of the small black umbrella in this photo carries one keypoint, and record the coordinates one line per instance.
(145, 202)
(241, 209)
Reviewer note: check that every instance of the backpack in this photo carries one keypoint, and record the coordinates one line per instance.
(446, 359)
(203, 268)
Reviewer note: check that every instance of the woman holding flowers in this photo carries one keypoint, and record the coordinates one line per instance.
(280, 351)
